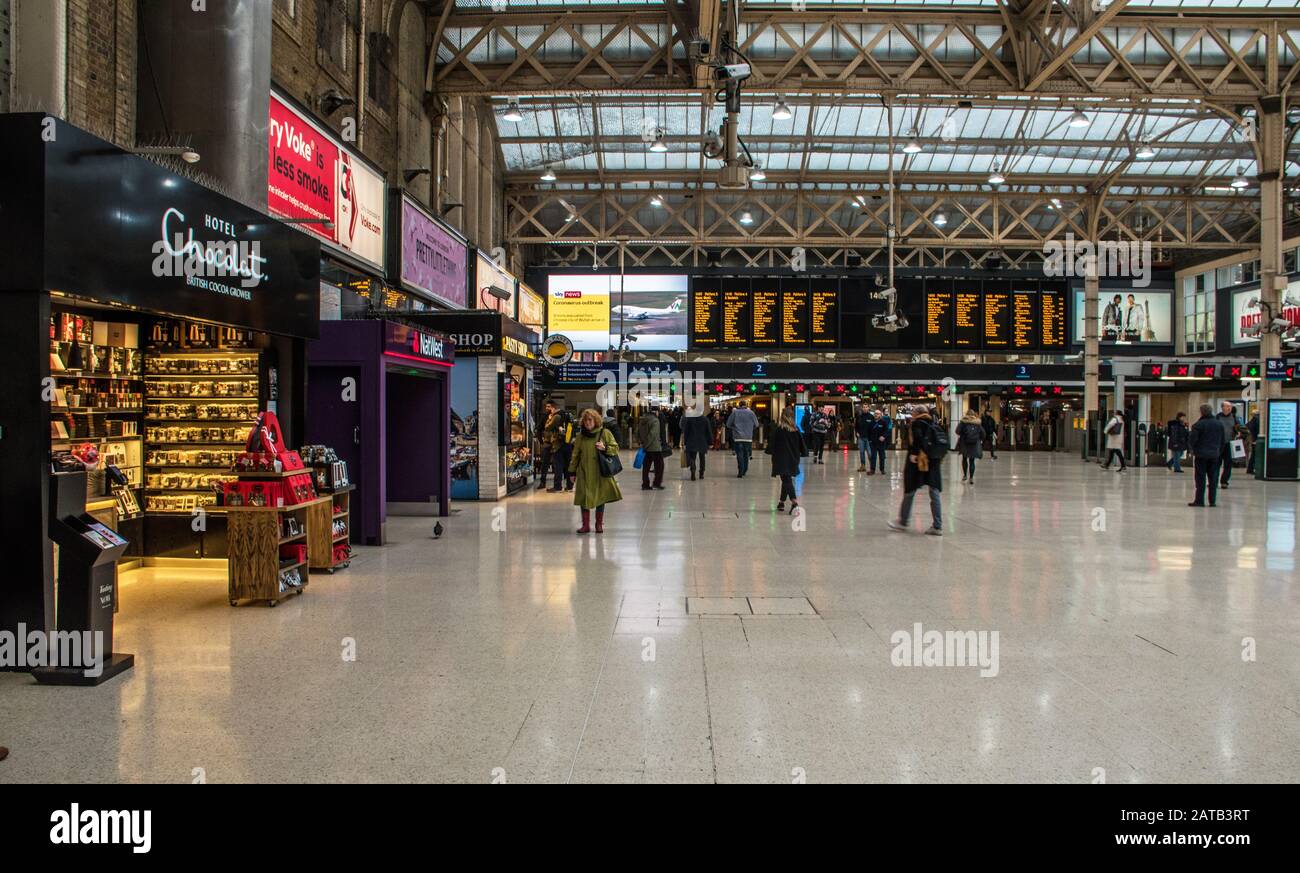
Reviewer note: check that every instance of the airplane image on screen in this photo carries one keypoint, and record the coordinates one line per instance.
(645, 313)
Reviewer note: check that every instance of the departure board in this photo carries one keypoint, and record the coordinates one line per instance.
(938, 320)
(794, 319)
(766, 308)
(997, 320)
(1024, 321)
(1052, 320)
(824, 318)
(968, 329)
(736, 325)
(706, 317)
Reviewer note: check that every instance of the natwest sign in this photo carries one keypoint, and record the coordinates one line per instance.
(404, 341)
(311, 175)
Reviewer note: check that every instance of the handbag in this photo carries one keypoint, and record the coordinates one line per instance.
(610, 465)
(639, 460)
(1238, 449)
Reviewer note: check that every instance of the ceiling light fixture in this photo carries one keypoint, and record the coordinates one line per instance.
(941, 220)
(512, 113)
(657, 201)
(756, 173)
(746, 217)
(1079, 118)
(1144, 151)
(658, 144)
(781, 112)
(996, 177)
(549, 175)
(913, 146)
(1241, 182)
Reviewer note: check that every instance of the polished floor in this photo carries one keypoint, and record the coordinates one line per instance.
(704, 638)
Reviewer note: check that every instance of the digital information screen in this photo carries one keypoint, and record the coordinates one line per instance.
(997, 320)
(967, 328)
(1024, 321)
(824, 318)
(1282, 424)
(736, 316)
(794, 319)
(938, 320)
(766, 308)
(1052, 321)
(706, 317)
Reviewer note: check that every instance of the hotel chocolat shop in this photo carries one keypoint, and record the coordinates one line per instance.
(113, 353)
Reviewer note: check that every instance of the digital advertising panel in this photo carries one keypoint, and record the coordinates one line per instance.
(578, 307)
(1129, 317)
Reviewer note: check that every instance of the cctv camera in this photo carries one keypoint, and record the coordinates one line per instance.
(734, 72)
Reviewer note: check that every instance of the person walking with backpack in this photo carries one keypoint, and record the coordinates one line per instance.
(650, 436)
(820, 427)
(1206, 440)
(928, 445)
(593, 489)
(1115, 441)
(741, 424)
(970, 439)
(786, 448)
(1178, 434)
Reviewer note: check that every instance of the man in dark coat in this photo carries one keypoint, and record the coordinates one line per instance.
(697, 436)
(1206, 441)
(650, 436)
(1177, 443)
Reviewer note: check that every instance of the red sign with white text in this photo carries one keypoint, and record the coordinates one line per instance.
(301, 171)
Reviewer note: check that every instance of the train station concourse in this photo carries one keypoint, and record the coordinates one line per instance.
(662, 391)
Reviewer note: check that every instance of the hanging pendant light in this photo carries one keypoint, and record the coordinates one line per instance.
(549, 175)
(1079, 118)
(996, 177)
(746, 217)
(1241, 182)
(781, 112)
(1144, 151)
(513, 113)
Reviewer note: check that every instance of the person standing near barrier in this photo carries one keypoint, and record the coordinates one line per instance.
(1206, 441)
(1178, 433)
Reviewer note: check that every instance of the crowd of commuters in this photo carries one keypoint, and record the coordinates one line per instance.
(572, 449)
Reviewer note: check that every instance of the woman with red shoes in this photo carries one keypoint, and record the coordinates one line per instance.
(592, 490)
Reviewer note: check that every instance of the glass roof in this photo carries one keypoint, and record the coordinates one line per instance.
(1216, 5)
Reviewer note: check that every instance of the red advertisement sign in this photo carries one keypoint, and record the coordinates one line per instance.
(301, 171)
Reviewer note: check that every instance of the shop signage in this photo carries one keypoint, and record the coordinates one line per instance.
(405, 341)
(312, 175)
(516, 347)
(114, 224)
(433, 260)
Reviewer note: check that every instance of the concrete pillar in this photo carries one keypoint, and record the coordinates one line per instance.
(212, 72)
(469, 196)
(487, 181)
(1091, 343)
(1272, 268)
(455, 164)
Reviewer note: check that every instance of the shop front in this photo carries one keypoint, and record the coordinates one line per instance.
(491, 419)
(156, 320)
(379, 393)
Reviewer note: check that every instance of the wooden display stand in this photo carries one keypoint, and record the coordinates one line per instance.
(254, 535)
(320, 552)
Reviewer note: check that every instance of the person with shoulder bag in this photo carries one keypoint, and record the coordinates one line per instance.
(1115, 441)
(595, 464)
(927, 446)
(650, 436)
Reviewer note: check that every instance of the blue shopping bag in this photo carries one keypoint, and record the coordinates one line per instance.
(640, 458)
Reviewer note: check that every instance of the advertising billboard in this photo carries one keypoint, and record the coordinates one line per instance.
(312, 175)
(433, 260)
(1129, 317)
(487, 275)
(650, 310)
(578, 307)
(1246, 317)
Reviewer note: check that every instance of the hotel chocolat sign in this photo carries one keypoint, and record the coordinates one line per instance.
(119, 228)
(433, 261)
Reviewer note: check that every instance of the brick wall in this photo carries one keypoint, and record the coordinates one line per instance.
(102, 40)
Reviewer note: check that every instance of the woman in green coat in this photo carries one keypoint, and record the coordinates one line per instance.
(593, 490)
